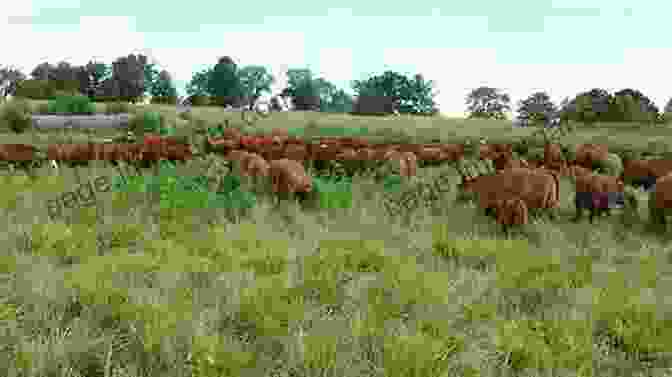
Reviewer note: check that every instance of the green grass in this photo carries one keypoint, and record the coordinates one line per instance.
(349, 291)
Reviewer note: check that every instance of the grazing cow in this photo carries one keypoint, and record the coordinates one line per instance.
(577, 171)
(71, 153)
(231, 133)
(289, 176)
(455, 152)
(20, 154)
(511, 163)
(589, 154)
(296, 152)
(347, 154)
(510, 212)
(406, 161)
(660, 200)
(639, 173)
(221, 142)
(598, 193)
(17, 152)
(659, 167)
(538, 189)
(255, 165)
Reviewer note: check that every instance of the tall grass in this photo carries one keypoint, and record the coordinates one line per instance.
(129, 287)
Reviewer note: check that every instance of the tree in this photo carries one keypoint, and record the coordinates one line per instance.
(538, 107)
(108, 90)
(129, 74)
(10, 78)
(303, 89)
(91, 76)
(199, 83)
(630, 105)
(254, 80)
(488, 103)
(64, 77)
(151, 74)
(163, 90)
(224, 83)
(410, 95)
(43, 71)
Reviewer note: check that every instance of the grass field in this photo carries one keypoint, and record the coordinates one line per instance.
(291, 291)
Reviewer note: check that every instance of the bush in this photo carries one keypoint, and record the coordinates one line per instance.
(16, 115)
(117, 108)
(77, 104)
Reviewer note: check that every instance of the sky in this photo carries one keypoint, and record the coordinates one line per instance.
(562, 47)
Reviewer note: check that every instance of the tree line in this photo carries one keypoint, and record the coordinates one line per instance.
(131, 78)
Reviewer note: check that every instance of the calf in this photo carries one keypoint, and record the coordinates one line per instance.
(289, 176)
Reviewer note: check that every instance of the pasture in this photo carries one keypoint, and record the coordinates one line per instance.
(127, 287)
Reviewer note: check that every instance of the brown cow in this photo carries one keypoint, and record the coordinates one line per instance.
(17, 152)
(23, 155)
(295, 151)
(70, 152)
(537, 188)
(289, 176)
(455, 151)
(512, 211)
(641, 173)
(588, 154)
(660, 199)
(256, 166)
(577, 171)
(407, 162)
(347, 154)
(553, 157)
(659, 167)
(511, 163)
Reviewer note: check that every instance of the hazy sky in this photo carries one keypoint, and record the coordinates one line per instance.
(563, 47)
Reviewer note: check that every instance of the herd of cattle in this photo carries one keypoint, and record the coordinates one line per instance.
(517, 186)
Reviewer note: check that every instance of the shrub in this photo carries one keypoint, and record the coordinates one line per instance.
(77, 104)
(117, 108)
(16, 115)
